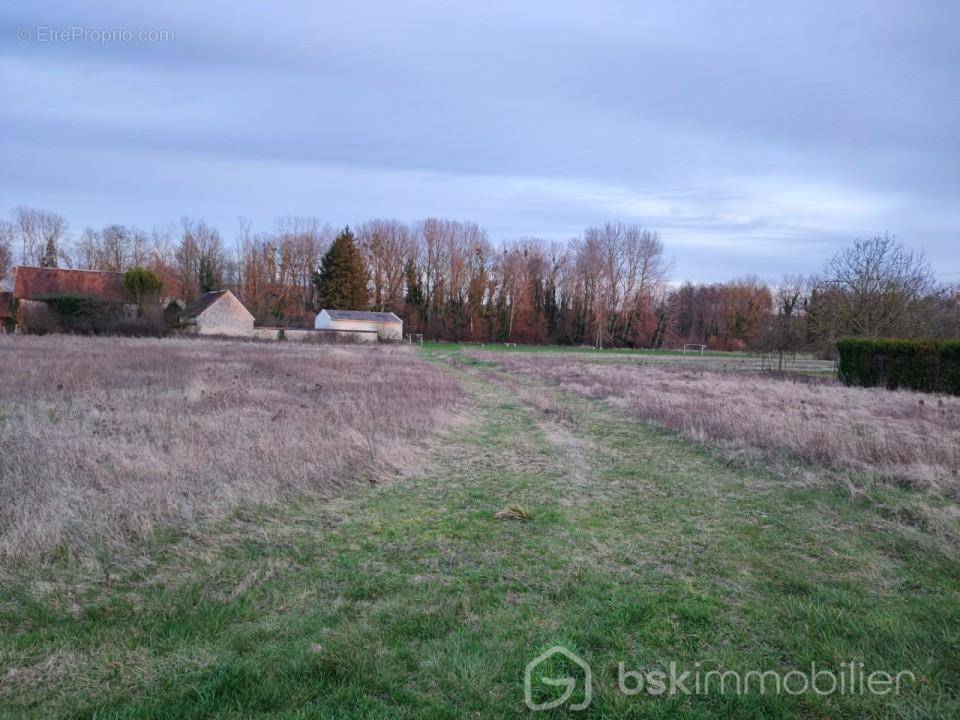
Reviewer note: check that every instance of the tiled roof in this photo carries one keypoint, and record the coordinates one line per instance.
(195, 308)
(381, 317)
(31, 283)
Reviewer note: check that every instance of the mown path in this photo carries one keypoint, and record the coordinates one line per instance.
(412, 600)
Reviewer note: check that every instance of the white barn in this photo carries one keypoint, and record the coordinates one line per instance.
(362, 326)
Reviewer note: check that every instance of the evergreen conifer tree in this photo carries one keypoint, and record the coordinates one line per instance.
(342, 281)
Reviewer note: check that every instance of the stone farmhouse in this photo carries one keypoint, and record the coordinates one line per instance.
(217, 313)
(360, 326)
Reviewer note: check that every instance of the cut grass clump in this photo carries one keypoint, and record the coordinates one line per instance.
(514, 512)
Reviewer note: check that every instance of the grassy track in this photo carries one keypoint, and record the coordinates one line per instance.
(412, 600)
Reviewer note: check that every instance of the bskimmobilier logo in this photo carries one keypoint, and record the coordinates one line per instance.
(550, 680)
(573, 661)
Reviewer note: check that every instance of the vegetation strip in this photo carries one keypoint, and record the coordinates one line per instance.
(411, 599)
(104, 439)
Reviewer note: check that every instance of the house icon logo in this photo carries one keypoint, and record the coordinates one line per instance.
(568, 660)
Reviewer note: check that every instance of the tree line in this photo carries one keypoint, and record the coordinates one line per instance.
(609, 286)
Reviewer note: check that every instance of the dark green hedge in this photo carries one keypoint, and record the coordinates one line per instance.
(81, 314)
(927, 365)
(86, 315)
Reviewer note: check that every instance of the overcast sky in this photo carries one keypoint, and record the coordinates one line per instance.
(755, 137)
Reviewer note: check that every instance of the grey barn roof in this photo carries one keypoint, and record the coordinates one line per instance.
(201, 303)
(381, 317)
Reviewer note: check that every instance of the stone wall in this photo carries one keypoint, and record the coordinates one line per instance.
(315, 336)
(272, 333)
(392, 332)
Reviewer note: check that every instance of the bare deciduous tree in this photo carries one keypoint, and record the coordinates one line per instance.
(620, 269)
(116, 248)
(8, 234)
(873, 288)
(784, 333)
(387, 246)
(200, 259)
(274, 271)
(42, 234)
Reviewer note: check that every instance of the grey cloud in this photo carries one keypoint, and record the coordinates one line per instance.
(744, 134)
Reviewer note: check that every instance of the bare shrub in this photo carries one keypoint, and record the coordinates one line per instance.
(106, 438)
(904, 435)
(37, 318)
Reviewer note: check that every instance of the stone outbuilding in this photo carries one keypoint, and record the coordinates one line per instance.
(217, 313)
(361, 326)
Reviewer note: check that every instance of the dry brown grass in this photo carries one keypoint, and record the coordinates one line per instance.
(105, 439)
(906, 436)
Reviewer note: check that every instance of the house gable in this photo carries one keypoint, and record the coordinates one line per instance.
(218, 313)
(227, 303)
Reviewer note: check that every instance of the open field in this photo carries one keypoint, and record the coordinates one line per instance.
(411, 599)
(905, 437)
(514, 348)
(104, 439)
(798, 363)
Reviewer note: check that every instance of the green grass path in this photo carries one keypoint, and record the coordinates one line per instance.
(411, 600)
